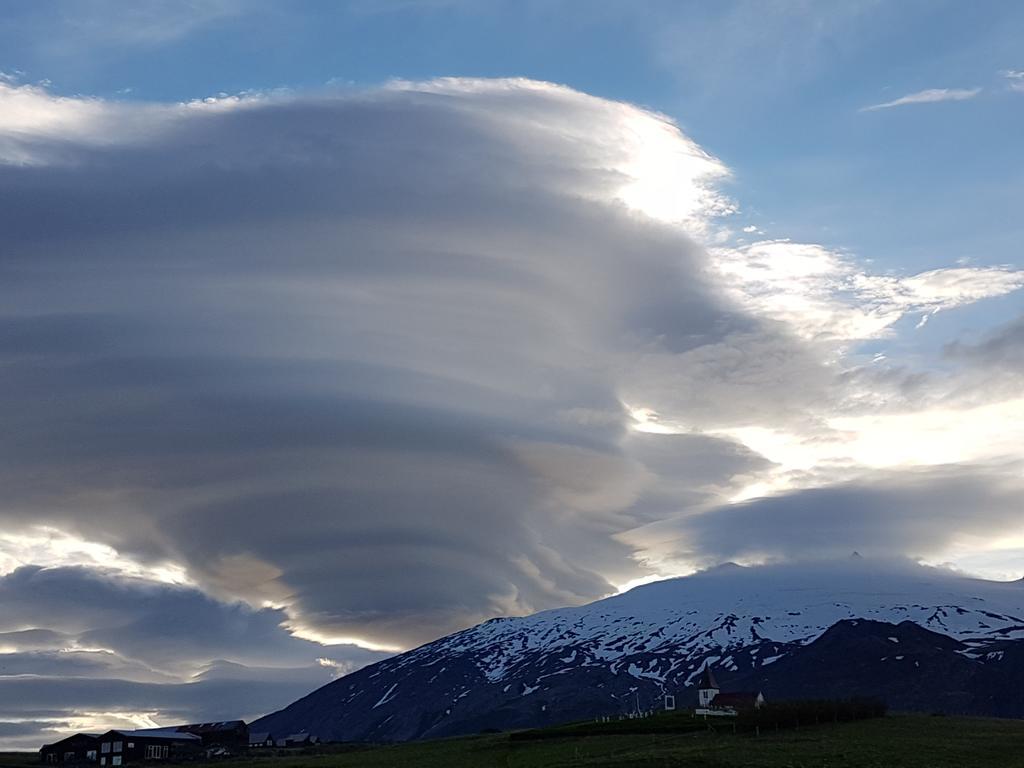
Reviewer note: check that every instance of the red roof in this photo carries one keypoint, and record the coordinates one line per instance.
(738, 700)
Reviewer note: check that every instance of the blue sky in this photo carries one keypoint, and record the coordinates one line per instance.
(327, 365)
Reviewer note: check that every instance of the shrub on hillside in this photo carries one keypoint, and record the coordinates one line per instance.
(794, 714)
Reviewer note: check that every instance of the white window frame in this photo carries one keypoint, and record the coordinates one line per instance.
(157, 751)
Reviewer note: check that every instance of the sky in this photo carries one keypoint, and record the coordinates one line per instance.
(329, 329)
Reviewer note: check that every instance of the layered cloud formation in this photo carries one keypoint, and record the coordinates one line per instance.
(367, 367)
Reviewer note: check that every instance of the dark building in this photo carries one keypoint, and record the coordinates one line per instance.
(74, 750)
(713, 701)
(302, 739)
(261, 740)
(232, 735)
(123, 747)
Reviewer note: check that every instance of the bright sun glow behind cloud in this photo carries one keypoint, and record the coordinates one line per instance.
(50, 547)
(933, 436)
(928, 437)
(670, 178)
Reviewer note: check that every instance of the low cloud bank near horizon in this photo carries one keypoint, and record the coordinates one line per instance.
(368, 367)
(131, 652)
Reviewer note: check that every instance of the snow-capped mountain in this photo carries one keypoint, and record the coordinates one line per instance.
(759, 627)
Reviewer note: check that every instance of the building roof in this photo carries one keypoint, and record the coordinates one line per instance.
(259, 738)
(224, 725)
(171, 732)
(707, 680)
(91, 736)
(189, 732)
(736, 700)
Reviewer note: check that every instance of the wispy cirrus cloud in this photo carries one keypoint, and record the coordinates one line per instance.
(927, 96)
(145, 23)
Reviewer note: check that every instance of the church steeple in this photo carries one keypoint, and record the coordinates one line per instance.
(707, 688)
(707, 680)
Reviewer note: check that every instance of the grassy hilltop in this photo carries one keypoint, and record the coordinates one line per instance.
(897, 741)
(893, 742)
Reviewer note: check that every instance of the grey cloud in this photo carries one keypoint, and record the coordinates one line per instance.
(71, 663)
(142, 627)
(29, 728)
(1002, 349)
(913, 512)
(200, 701)
(132, 646)
(35, 639)
(50, 703)
(692, 471)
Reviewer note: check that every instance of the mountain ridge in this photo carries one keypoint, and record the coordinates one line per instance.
(625, 652)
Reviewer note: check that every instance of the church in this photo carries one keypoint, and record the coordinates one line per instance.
(711, 701)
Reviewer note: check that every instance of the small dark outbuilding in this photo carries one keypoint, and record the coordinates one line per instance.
(261, 740)
(301, 739)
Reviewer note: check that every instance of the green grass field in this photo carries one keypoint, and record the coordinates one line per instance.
(897, 741)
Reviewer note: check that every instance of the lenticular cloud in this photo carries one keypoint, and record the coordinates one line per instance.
(395, 361)
(362, 356)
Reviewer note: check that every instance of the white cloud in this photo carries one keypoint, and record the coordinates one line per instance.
(1015, 79)
(50, 547)
(664, 174)
(928, 96)
(826, 294)
(40, 128)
